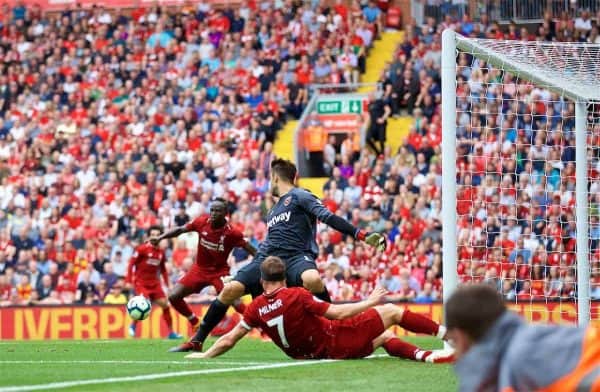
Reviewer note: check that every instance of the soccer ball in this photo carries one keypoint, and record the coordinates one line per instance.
(139, 307)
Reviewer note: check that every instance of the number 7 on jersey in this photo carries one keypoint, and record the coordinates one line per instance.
(278, 321)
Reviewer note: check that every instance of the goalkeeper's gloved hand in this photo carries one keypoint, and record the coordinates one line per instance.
(376, 240)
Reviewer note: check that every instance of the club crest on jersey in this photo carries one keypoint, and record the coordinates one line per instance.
(287, 201)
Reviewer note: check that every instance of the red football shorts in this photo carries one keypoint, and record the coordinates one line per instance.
(353, 337)
(152, 291)
(196, 279)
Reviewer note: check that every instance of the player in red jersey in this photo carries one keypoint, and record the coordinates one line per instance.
(307, 328)
(145, 266)
(216, 240)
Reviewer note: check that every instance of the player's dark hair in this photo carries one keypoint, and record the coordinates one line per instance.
(474, 309)
(220, 200)
(284, 169)
(272, 269)
(155, 227)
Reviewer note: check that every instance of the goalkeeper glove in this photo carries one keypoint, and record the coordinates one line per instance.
(376, 240)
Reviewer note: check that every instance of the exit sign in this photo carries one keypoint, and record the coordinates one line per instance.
(339, 107)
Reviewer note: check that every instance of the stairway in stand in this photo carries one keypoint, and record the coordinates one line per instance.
(382, 52)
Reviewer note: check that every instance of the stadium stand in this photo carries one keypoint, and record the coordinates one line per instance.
(112, 121)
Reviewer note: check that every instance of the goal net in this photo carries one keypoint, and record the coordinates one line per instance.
(520, 152)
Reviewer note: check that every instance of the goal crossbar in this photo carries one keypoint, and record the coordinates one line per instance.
(568, 75)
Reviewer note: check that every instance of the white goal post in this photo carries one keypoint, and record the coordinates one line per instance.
(569, 73)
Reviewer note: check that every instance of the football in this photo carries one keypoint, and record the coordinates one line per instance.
(139, 307)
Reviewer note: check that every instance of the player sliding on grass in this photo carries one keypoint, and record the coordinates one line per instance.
(147, 262)
(216, 239)
(305, 328)
(292, 228)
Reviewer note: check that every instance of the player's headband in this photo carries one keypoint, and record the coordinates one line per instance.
(276, 277)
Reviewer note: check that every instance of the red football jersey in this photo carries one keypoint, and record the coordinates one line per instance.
(214, 245)
(293, 319)
(146, 264)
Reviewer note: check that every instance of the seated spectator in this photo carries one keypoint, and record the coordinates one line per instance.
(86, 290)
(115, 296)
(45, 288)
(390, 282)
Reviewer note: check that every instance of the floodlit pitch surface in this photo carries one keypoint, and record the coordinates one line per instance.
(144, 365)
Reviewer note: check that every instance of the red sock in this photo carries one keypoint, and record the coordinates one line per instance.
(167, 317)
(401, 349)
(414, 322)
(182, 307)
(240, 307)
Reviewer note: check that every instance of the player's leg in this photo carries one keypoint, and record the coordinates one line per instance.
(413, 322)
(302, 271)
(397, 347)
(164, 305)
(176, 298)
(311, 280)
(214, 315)
(218, 282)
(396, 315)
(246, 280)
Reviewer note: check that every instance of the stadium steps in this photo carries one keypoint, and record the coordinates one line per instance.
(284, 143)
(382, 53)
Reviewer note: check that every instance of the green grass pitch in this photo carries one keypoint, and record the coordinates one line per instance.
(251, 366)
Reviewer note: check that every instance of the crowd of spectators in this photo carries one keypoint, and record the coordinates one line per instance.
(112, 121)
(516, 183)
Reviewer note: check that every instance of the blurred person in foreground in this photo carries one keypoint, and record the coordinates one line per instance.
(497, 350)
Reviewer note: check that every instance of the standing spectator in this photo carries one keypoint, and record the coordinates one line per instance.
(378, 114)
(329, 155)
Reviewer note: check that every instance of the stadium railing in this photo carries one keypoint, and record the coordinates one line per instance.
(51, 5)
(504, 11)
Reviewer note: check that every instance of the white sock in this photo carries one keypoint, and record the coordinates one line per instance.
(442, 332)
(421, 355)
(191, 317)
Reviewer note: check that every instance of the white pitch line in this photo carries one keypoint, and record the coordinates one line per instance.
(126, 362)
(57, 342)
(146, 377)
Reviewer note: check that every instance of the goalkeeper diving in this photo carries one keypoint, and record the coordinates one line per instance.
(291, 236)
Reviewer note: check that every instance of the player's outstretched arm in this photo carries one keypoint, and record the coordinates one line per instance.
(175, 232)
(224, 344)
(313, 205)
(339, 312)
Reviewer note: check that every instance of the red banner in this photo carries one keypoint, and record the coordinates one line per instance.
(59, 5)
(111, 322)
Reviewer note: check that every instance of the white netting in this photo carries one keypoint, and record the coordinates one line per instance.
(516, 176)
(565, 67)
